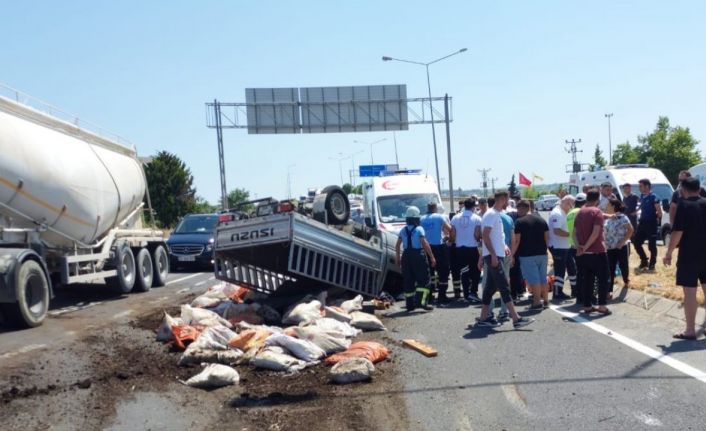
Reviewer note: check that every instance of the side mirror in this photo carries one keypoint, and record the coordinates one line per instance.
(665, 205)
(369, 222)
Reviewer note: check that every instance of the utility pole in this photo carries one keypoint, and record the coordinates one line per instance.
(289, 181)
(573, 150)
(484, 183)
(492, 185)
(221, 157)
(610, 140)
(394, 138)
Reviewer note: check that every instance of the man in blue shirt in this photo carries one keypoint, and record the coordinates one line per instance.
(650, 220)
(415, 268)
(436, 227)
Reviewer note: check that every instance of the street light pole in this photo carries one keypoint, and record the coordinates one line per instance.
(431, 107)
(371, 147)
(610, 141)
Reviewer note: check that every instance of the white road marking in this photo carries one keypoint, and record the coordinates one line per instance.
(183, 278)
(201, 283)
(72, 308)
(635, 345)
(122, 314)
(21, 350)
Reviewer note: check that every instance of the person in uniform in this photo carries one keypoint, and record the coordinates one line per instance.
(413, 261)
(465, 234)
(436, 227)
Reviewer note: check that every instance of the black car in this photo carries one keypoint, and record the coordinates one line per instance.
(191, 243)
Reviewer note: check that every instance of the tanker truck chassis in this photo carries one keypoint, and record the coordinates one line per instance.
(71, 210)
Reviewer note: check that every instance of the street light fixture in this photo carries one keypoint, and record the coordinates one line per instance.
(610, 140)
(371, 147)
(341, 157)
(431, 108)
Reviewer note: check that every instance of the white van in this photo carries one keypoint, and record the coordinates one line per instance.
(699, 171)
(386, 198)
(621, 174)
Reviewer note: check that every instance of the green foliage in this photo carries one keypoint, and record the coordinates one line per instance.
(357, 190)
(202, 206)
(530, 192)
(512, 186)
(237, 196)
(669, 149)
(626, 154)
(171, 188)
(347, 188)
(598, 160)
(556, 190)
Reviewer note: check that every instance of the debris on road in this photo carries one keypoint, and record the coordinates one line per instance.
(420, 347)
(352, 370)
(214, 376)
(374, 352)
(366, 321)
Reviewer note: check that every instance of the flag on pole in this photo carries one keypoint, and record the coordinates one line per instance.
(524, 181)
(536, 177)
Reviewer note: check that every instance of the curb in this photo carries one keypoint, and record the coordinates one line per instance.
(660, 306)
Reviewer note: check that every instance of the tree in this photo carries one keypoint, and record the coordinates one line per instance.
(625, 154)
(202, 206)
(237, 196)
(669, 149)
(530, 193)
(347, 188)
(171, 188)
(512, 186)
(358, 190)
(598, 160)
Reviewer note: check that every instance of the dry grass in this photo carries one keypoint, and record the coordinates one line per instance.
(661, 282)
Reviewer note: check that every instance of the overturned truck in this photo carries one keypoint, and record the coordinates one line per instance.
(278, 245)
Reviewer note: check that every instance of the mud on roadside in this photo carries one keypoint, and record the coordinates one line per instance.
(120, 378)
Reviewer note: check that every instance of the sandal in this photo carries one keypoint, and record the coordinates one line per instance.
(590, 310)
(683, 336)
(605, 312)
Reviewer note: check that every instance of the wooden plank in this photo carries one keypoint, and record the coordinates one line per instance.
(420, 347)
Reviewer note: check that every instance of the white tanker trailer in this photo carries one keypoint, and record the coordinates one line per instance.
(71, 204)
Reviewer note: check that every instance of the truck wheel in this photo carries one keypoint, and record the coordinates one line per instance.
(145, 271)
(125, 264)
(160, 260)
(32, 292)
(335, 205)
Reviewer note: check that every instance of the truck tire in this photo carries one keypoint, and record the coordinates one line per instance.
(32, 292)
(331, 206)
(144, 271)
(125, 264)
(160, 265)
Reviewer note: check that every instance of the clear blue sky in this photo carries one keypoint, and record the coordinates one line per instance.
(536, 73)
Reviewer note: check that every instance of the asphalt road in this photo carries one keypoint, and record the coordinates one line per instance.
(77, 309)
(563, 372)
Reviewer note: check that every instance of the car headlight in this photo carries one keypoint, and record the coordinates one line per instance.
(209, 247)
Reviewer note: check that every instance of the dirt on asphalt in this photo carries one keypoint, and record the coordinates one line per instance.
(118, 377)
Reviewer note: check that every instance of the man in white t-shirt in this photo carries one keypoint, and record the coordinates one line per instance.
(465, 234)
(561, 249)
(494, 253)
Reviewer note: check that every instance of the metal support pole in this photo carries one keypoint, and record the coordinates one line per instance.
(221, 160)
(610, 141)
(448, 150)
(394, 138)
(433, 130)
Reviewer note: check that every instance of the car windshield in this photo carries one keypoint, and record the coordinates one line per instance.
(197, 224)
(393, 208)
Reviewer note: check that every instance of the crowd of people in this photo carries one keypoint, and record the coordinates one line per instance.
(501, 245)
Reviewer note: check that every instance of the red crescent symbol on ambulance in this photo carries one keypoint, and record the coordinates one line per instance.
(389, 185)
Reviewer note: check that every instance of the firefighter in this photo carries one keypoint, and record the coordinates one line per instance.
(437, 228)
(413, 261)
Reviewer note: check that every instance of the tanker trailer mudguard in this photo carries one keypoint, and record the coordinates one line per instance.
(10, 258)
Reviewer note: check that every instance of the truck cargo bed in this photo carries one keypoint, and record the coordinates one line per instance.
(264, 252)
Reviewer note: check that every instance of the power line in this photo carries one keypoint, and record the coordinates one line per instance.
(484, 183)
(573, 150)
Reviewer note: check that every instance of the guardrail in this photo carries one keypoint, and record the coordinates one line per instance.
(53, 111)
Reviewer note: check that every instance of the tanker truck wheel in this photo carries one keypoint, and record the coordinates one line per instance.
(32, 292)
(145, 271)
(125, 264)
(160, 260)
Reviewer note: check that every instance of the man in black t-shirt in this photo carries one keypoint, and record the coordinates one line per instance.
(630, 200)
(677, 195)
(689, 234)
(530, 241)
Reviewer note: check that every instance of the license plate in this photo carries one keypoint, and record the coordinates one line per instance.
(187, 258)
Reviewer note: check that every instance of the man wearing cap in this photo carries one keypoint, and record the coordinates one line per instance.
(436, 227)
(630, 201)
(415, 268)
